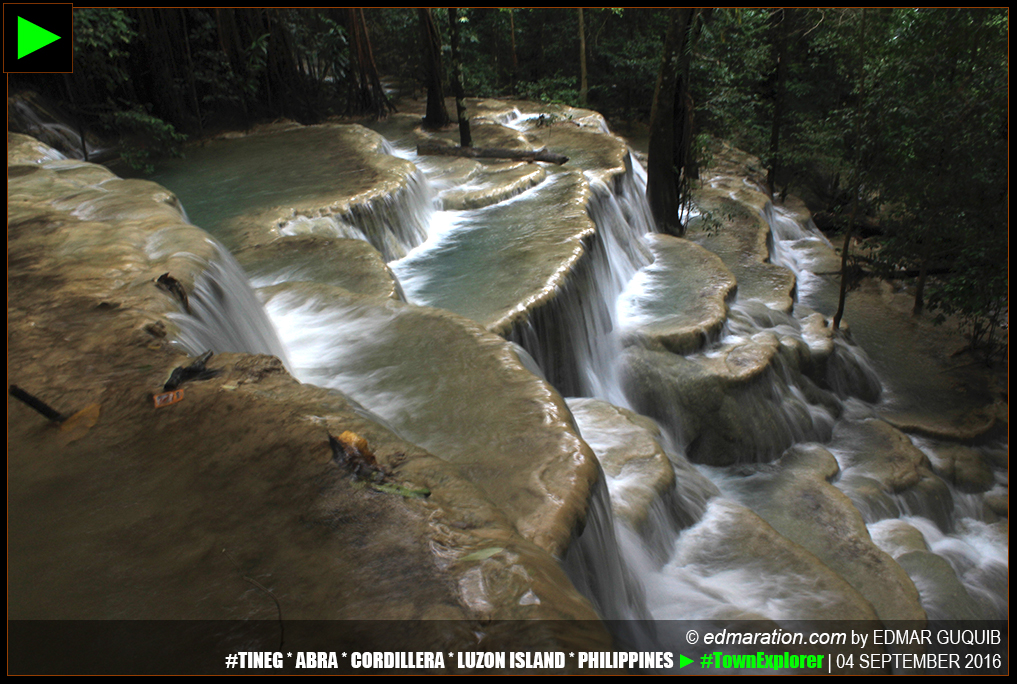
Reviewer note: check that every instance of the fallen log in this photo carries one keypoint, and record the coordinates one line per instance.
(541, 155)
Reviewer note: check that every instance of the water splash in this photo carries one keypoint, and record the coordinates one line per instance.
(225, 315)
(596, 568)
(394, 223)
(575, 338)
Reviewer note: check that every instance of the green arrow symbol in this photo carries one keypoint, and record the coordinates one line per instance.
(683, 661)
(32, 37)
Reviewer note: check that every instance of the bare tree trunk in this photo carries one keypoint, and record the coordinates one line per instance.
(664, 167)
(190, 73)
(844, 264)
(858, 176)
(368, 95)
(923, 274)
(380, 104)
(457, 81)
(583, 85)
(778, 103)
(436, 116)
(515, 60)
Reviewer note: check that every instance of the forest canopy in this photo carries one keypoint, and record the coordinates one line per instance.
(892, 120)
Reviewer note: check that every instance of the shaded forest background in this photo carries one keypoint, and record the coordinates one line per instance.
(892, 124)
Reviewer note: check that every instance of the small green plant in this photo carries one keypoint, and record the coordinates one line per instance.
(144, 138)
(708, 222)
(702, 150)
(552, 90)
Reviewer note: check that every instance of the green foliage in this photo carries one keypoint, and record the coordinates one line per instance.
(321, 44)
(395, 35)
(219, 85)
(101, 38)
(729, 78)
(144, 138)
(922, 132)
(552, 90)
(623, 54)
(910, 113)
(624, 58)
(941, 139)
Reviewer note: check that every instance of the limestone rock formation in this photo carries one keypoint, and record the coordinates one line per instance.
(227, 504)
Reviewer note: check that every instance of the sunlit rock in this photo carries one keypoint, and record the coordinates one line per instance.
(740, 237)
(331, 180)
(638, 471)
(504, 428)
(351, 264)
(496, 183)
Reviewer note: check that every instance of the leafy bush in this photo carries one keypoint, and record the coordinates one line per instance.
(144, 138)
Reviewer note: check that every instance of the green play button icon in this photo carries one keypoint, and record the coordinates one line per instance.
(683, 661)
(32, 37)
(38, 38)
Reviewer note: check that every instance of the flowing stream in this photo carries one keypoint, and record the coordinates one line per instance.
(714, 541)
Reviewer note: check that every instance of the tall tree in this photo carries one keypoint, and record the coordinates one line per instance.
(368, 95)
(515, 58)
(457, 80)
(780, 38)
(942, 132)
(436, 116)
(856, 187)
(584, 86)
(671, 125)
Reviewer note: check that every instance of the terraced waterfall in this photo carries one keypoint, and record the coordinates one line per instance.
(720, 454)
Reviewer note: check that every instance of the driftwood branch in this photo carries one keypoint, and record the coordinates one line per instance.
(38, 404)
(542, 155)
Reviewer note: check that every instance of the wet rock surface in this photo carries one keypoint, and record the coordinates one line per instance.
(238, 483)
(733, 536)
(292, 180)
(504, 428)
(353, 265)
(638, 471)
(825, 522)
(170, 512)
(683, 299)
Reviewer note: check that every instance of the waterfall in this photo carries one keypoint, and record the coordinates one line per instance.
(810, 386)
(794, 246)
(393, 223)
(35, 122)
(708, 546)
(597, 568)
(225, 315)
(575, 338)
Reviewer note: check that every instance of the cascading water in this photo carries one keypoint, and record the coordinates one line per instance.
(225, 314)
(28, 116)
(706, 547)
(392, 224)
(681, 589)
(575, 337)
(952, 525)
